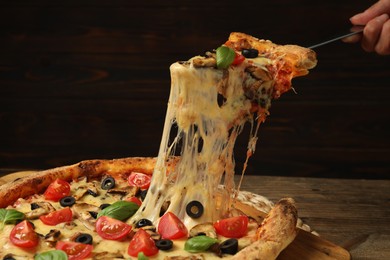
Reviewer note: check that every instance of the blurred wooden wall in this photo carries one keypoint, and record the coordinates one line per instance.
(90, 79)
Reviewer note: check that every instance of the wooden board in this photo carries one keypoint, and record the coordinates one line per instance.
(306, 246)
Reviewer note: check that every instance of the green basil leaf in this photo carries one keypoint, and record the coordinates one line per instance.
(51, 255)
(199, 244)
(9, 216)
(141, 256)
(225, 56)
(120, 210)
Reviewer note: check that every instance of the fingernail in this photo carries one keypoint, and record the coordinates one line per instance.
(382, 18)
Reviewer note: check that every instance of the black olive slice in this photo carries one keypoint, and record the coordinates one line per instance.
(143, 223)
(164, 244)
(108, 183)
(250, 53)
(194, 209)
(67, 201)
(92, 193)
(84, 239)
(143, 194)
(8, 257)
(229, 246)
(34, 206)
(93, 214)
(104, 205)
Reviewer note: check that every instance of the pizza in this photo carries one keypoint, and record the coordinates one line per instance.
(183, 204)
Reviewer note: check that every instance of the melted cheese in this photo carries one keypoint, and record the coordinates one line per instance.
(206, 133)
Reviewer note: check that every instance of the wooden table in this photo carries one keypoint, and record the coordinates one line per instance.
(354, 214)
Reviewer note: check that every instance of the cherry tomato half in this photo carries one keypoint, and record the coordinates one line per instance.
(111, 229)
(142, 242)
(57, 217)
(171, 227)
(74, 250)
(140, 180)
(23, 235)
(238, 59)
(135, 200)
(234, 227)
(57, 190)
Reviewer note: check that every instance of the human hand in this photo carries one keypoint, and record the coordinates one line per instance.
(376, 34)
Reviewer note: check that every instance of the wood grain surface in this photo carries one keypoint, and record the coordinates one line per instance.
(88, 80)
(351, 213)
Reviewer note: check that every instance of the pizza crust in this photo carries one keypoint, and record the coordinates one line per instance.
(276, 232)
(299, 59)
(37, 182)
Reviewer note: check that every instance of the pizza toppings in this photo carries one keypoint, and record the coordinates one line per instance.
(23, 235)
(205, 229)
(84, 238)
(229, 246)
(57, 190)
(143, 223)
(135, 200)
(224, 56)
(199, 244)
(171, 227)
(250, 53)
(164, 244)
(142, 242)
(57, 217)
(194, 209)
(112, 229)
(9, 216)
(233, 227)
(140, 180)
(67, 201)
(108, 183)
(52, 237)
(39, 208)
(53, 254)
(74, 250)
(121, 210)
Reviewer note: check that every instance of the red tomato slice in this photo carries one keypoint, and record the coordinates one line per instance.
(142, 242)
(140, 180)
(23, 235)
(57, 217)
(171, 227)
(74, 250)
(238, 59)
(234, 227)
(135, 200)
(57, 190)
(111, 229)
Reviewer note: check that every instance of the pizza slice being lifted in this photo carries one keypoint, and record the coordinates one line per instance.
(211, 98)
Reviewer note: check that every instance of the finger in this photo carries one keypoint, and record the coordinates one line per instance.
(372, 32)
(383, 45)
(352, 39)
(375, 10)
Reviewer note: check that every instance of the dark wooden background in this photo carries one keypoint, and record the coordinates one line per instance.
(90, 79)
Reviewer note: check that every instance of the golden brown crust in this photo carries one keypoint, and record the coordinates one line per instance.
(37, 182)
(275, 233)
(299, 59)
